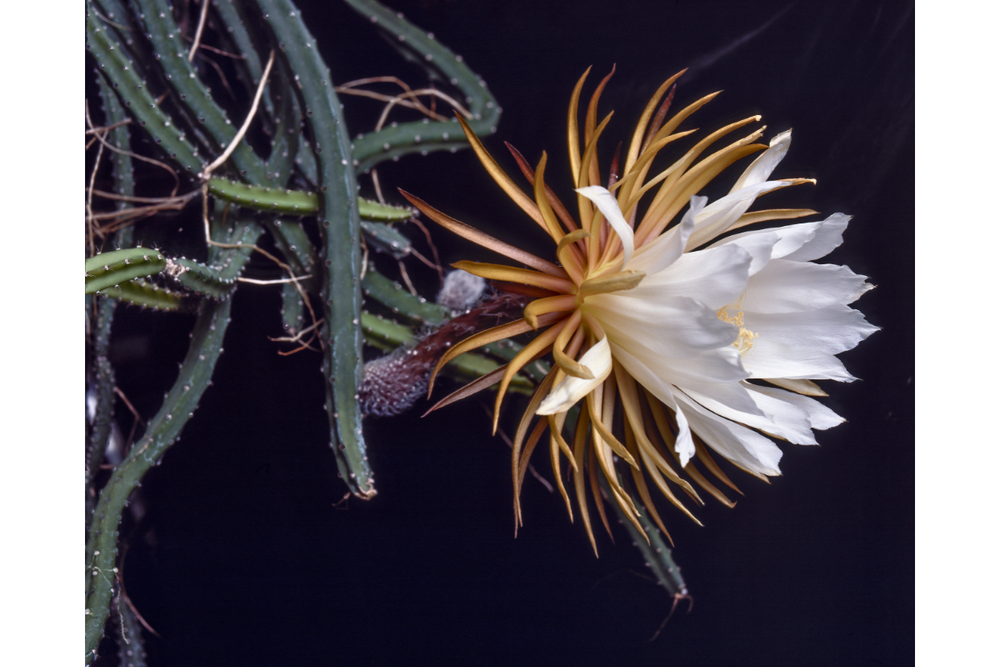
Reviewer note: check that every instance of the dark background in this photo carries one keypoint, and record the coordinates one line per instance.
(245, 557)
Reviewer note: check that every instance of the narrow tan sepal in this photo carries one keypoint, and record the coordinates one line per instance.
(609, 438)
(805, 387)
(503, 180)
(617, 282)
(516, 275)
(754, 217)
(552, 304)
(485, 240)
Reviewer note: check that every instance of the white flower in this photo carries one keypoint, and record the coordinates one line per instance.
(698, 340)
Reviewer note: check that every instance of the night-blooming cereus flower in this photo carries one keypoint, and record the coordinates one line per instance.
(694, 339)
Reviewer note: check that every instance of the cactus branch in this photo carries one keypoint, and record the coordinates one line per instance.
(340, 228)
(182, 400)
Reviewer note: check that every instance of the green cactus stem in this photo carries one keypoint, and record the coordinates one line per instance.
(656, 553)
(113, 268)
(130, 651)
(296, 248)
(386, 239)
(162, 431)
(218, 280)
(392, 295)
(340, 230)
(292, 308)
(296, 202)
(171, 52)
(145, 294)
(423, 136)
(118, 68)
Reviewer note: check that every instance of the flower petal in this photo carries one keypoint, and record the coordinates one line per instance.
(769, 412)
(762, 167)
(670, 326)
(683, 442)
(785, 286)
(818, 415)
(657, 255)
(715, 276)
(827, 235)
(743, 447)
(797, 345)
(720, 215)
(566, 394)
(608, 206)
(803, 242)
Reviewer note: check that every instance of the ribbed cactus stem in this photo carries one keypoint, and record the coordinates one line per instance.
(115, 64)
(161, 432)
(421, 137)
(341, 232)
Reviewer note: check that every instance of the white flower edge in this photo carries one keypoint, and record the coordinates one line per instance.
(568, 392)
(608, 206)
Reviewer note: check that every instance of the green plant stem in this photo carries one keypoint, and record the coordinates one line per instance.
(340, 227)
(162, 431)
(423, 136)
(114, 63)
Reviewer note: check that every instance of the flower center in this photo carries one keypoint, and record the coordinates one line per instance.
(746, 339)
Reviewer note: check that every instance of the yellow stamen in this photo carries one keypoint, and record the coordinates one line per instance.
(746, 339)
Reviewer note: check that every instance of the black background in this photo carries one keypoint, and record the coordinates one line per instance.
(243, 555)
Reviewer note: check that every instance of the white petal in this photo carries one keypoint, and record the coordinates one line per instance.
(683, 443)
(719, 365)
(731, 400)
(776, 412)
(669, 326)
(818, 415)
(750, 450)
(566, 394)
(719, 216)
(746, 448)
(608, 205)
(762, 167)
(796, 364)
(786, 286)
(716, 277)
(803, 345)
(804, 241)
(833, 329)
(667, 248)
(759, 246)
(827, 236)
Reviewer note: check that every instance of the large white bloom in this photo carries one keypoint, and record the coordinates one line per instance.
(699, 339)
(750, 306)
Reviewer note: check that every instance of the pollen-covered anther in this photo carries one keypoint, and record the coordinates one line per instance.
(745, 342)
